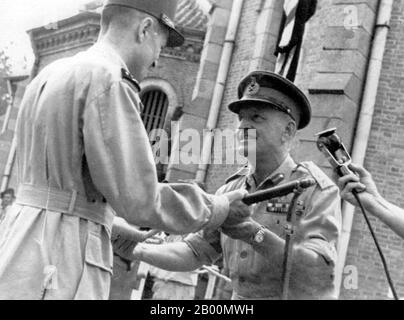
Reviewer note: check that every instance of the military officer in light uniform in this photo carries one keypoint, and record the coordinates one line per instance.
(274, 109)
(82, 145)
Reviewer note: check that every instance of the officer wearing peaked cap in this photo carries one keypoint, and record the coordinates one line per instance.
(273, 108)
(82, 149)
(271, 90)
(163, 11)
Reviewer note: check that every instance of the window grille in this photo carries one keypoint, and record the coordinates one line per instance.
(154, 114)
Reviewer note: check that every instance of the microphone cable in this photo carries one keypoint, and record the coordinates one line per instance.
(386, 269)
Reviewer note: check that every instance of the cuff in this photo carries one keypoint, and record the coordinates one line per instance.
(220, 211)
(202, 249)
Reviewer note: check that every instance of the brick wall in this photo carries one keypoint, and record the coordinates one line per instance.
(331, 71)
(385, 160)
(183, 82)
(197, 112)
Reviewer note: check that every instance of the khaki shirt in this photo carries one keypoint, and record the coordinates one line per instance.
(80, 128)
(318, 226)
(186, 278)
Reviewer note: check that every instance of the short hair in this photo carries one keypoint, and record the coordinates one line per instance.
(121, 17)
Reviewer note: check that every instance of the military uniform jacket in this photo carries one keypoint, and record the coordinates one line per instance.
(318, 223)
(80, 131)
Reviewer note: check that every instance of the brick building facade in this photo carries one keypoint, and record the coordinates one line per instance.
(333, 70)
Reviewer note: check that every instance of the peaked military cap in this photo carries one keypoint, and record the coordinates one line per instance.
(272, 90)
(163, 10)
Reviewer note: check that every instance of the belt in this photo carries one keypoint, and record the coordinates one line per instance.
(67, 202)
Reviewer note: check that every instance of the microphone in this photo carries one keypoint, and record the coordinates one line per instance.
(278, 191)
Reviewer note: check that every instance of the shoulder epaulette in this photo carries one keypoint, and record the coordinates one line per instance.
(126, 75)
(321, 178)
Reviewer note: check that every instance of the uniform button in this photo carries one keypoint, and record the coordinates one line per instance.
(243, 254)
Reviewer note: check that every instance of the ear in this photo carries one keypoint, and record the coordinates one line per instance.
(289, 131)
(143, 29)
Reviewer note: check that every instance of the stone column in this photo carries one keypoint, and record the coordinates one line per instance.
(333, 68)
(196, 114)
(266, 35)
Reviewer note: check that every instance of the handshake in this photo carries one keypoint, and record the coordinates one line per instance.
(238, 225)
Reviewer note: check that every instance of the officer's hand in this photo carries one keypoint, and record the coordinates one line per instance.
(156, 239)
(239, 225)
(243, 231)
(125, 237)
(362, 182)
(123, 230)
(239, 212)
(124, 249)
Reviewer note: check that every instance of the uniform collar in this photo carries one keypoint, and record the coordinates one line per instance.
(286, 168)
(110, 54)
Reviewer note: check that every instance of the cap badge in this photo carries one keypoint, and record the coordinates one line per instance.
(167, 21)
(253, 88)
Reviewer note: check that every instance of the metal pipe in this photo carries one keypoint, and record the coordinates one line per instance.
(9, 165)
(218, 93)
(9, 107)
(11, 156)
(365, 123)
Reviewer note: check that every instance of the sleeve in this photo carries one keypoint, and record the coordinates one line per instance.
(122, 167)
(322, 223)
(205, 245)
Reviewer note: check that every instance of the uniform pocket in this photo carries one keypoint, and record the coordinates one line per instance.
(97, 271)
(96, 255)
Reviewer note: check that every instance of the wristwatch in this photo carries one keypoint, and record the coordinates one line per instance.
(259, 235)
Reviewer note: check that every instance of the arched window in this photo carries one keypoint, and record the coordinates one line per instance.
(154, 114)
(160, 103)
